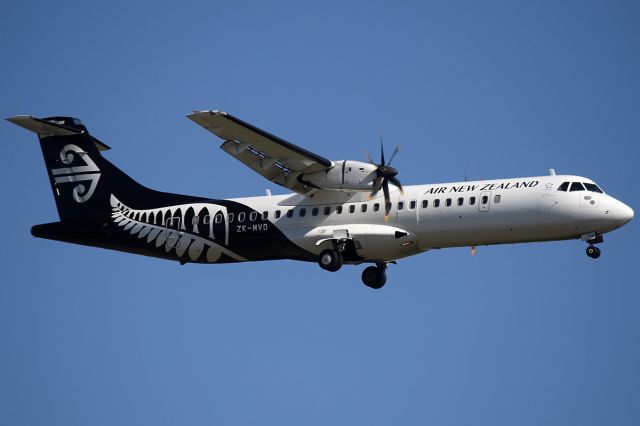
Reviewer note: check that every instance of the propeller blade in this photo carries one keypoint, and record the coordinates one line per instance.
(377, 184)
(368, 157)
(381, 153)
(387, 201)
(395, 151)
(397, 183)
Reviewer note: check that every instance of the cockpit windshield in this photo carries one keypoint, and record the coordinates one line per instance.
(579, 186)
(576, 186)
(592, 187)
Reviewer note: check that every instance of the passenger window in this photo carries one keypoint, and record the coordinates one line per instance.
(207, 219)
(364, 208)
(327, 210)
(436, 202)
(241, 216)
(352, 208)
(412, 204)
(460, 201)
(277, 214)
(576, 186)
(195, 220)
(230, 217)
(400, 205)
(253, 216)
(592, 187)
(563, 186)
(496, 199)
(425, 203)
(303, 211)
(376, 207)
(314, 211)
(448, 202)
(265, 215)
(290, 213)
(218, 218)
(339, 210)
(484, 199)
(472, 201)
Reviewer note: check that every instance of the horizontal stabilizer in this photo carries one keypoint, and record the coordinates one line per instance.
(52, 127)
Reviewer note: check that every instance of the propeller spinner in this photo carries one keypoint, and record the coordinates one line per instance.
(385, 175)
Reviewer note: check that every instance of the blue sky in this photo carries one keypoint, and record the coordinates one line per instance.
(525, 334)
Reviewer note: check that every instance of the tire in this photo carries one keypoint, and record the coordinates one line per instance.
(330, 260)
(593, 252)
(374, 277)
(370, 276)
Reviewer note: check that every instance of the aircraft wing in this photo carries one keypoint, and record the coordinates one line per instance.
(274, 158)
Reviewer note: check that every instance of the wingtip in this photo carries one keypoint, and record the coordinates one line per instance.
(206, 111)
(17, 118)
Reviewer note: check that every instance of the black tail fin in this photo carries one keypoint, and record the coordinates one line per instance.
(82, 180)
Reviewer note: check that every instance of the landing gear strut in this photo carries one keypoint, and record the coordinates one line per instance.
(375, 276)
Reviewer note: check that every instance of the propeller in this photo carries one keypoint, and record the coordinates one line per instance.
(385, 174)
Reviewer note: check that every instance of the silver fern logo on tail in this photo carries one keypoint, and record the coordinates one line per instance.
(165, 227)
(88, 172)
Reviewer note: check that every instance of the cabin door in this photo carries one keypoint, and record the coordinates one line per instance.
(173, 233)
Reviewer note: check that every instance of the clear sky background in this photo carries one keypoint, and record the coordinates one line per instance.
(533, 334)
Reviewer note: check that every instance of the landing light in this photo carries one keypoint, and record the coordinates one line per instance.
(406, 243)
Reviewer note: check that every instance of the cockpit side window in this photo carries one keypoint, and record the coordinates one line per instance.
(592, 187)
(576, 186)
(563, 186)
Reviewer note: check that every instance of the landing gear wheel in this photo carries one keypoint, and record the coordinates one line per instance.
(330, 260)
(593, 252)
(374, 277)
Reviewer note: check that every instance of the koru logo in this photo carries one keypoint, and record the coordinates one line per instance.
(87, 173)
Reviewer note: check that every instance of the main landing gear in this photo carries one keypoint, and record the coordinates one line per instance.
(375, 276)
(331, 259)
(593, 251)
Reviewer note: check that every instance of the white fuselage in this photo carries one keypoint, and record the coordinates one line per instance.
(434, 216)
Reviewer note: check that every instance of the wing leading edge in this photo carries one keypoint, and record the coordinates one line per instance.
(274, 158)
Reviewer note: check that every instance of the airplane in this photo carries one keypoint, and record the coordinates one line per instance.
(340, 212)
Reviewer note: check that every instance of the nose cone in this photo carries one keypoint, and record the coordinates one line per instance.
(623, 213)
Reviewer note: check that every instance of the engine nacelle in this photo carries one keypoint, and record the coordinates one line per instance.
(345, 175)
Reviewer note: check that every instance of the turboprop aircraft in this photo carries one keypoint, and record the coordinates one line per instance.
(341, 212)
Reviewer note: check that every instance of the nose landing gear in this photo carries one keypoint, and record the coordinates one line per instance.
(375, 276)
(593, 252)
(591, 239)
